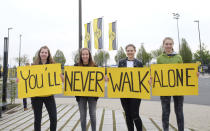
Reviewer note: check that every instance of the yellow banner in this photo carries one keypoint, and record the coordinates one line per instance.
(128, 83)
(87, 36)
(39, 80)
(112, 36)
(84, 81)
(174, 79)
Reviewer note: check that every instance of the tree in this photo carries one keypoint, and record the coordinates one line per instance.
(185, 52)
(101, 57)
(36, 55)
(23, 60)
(59, 58)
(204, 54)
(76, 57)
(1, 59)
(144, 56)
(157, 52)
(120, 55)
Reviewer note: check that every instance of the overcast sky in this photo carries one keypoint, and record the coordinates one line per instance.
(55, 23)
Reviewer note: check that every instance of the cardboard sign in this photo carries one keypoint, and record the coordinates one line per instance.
(174, 79)
(39, 80)
(128, 83)
(84, 81)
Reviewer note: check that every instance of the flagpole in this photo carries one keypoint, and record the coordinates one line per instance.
(116, 35)
(80, 24)
(103, 42)
(91, 36)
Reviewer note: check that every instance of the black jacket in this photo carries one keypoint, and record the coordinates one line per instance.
(123, 63)
(78, 97)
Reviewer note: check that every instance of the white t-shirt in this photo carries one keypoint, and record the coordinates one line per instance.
(130, 63)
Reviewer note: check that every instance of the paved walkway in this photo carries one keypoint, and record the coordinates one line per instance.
(204, 75)
(68, 119)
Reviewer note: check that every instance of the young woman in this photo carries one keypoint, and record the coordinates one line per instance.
(85, 59)
(169, 57)
(131, 105)
(44, 57)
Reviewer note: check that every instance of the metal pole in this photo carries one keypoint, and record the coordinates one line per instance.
(20, 49)
(80, 24)
(178, 32)
(197, 21)
(5, 72)
(176, 16)
(199, 37)
(8, 34)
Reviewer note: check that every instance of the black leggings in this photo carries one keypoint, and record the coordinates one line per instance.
(37, 103)
(131, 108)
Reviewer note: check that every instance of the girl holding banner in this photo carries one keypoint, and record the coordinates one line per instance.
(44, 57)
(85, 59)
(131, 105)
(170, 57)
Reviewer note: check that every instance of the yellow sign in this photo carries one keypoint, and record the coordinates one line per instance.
(84, 81)
(39, 80)
(174, 79)
(128, 83)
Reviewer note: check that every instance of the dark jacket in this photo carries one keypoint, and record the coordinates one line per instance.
(78, 97)
(123, 63)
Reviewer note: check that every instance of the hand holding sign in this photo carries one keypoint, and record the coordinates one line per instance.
(62, 77)
(106, 78)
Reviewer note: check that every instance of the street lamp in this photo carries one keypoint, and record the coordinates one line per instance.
(8, 33)
(8, 30)
(20, 49)
(176, 16)
(5, 70)
(197, 21)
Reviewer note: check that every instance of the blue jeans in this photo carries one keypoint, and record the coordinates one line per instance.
(83, 111)
(178, 107)
(24, 102)
(37, 104)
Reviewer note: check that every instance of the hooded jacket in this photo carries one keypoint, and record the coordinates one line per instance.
(169, 58)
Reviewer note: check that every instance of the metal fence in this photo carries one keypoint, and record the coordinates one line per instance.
(11, 86)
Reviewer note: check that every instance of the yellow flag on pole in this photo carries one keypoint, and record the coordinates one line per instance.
(97, 28)
(87, 40)
(112, 36)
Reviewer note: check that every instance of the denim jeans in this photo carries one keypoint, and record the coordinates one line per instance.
(37, 104)
(131, 108)
(83, 111)
(24, 102)
(178, 107)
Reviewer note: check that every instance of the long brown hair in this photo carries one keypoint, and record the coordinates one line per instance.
(90, 62)
(38, 58)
